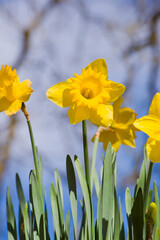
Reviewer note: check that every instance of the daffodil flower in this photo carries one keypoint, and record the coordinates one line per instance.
(88, 95)
(150, 220)
(151, 213)
(12, 92)
(150, 124)
(121, 131)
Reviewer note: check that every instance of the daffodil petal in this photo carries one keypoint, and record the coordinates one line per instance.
(152, 147)
(155, 106)
(78, 114)
(150, 125)
(123, 118)
(13, 108)
(127, 136)
(117, 104)
(102, 116)
(59, 94)
(4, 104)
(24, 90)
(114, 89)
(108, 135)
(100, 65)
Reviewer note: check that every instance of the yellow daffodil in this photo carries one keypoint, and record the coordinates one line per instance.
(151, 213)
(88, 95)
(150, 124)
(12, 92)
(121, 131)
(150, 220)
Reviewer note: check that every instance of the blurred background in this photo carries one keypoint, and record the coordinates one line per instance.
(47, 41)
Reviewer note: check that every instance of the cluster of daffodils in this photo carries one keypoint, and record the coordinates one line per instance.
(90, 96)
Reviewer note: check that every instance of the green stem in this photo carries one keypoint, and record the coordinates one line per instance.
(35, 157)
(33, 150)
(96, 140)
(147, 185)
(24, 110)
(146, 190)
(85, 148)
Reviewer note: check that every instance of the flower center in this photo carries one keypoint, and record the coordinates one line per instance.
(87, 93)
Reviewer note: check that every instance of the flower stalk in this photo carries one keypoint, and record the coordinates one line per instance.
(147, 185)
(24, 110)
(85, 149)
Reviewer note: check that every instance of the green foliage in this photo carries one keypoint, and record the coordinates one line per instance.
(108, 222)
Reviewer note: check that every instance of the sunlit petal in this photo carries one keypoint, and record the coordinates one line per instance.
(24, 90)
(109, 135)
(115, 90)
(102, 116)
(117, 104)
(59, 94)
(153, 150)
(13, 108)
(100, 65)
(4, 104)
(124, 117)
(155, 106)
(77, 114)
(127, 137)
(150, 125)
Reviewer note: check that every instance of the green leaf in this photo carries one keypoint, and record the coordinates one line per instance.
(86, 197)
(35, 236)
(40, 168)
(141, 181)
(116, 219)
(37, 200)
(146, 191)
(99, 215)
(96, 182)
(26, 222)
(122, 234)
(137, 216)
(93, 161)
(72, 192)
(128, 201)
(55, 214)
(156, 235)
(83, 221)
(86, 231)
(20, 193)
(59, 199)
(11, 221)
(149, 197)
(21, 225)
(107, 192)
(58, 185)
(46, 217)
(67, 226)
(146, 161)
